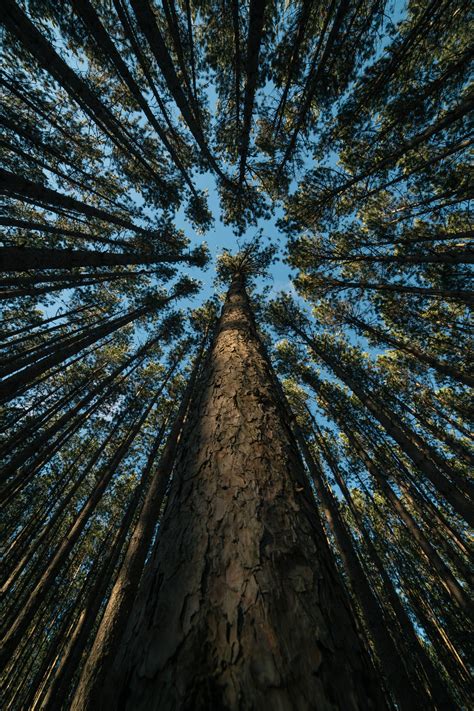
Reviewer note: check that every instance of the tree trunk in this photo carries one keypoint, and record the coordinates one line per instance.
(414, 447)
(451, 585)
(20, 259)
(254, 39)
(114, 622)
(412, 349)
(406, 693)
(10, 386)
(20, 625)
(147, 23)
(244, 607)
(61, 231)
(18, 186)
(404, 632)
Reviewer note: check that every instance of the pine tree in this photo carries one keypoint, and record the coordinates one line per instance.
(271, 506)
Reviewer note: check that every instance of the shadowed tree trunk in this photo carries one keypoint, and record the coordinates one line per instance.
(19, 259)
(243, 607)
(121, 600)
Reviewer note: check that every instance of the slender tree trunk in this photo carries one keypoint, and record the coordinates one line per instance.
(412, 349)
(254, 40)
(92, 21)
(413, 445)
(407, 695)
(10, 386)
(19, 186)
(61, 231)
(454, 589)
(424, 291)
(90, 692)
(404, 631)
(147, 23)
(60, 688)
(244, 608)
(11, 639)
(20, 259)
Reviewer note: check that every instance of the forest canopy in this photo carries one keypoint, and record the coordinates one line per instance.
(306, 164)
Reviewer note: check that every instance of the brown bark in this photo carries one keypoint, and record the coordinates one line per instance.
(244, 607)
(92, 686)
(60, 687)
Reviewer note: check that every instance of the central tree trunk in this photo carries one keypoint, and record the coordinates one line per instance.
(242, 608)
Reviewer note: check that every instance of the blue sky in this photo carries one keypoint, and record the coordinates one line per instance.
(222, 236)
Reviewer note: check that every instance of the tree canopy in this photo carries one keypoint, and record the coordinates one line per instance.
(333, 140)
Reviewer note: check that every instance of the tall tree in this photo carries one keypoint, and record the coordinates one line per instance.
(239, 544)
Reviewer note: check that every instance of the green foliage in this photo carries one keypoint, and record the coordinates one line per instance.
(353, 129)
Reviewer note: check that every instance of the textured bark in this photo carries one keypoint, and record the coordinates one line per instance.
(60, 687)
(244, 608)
(92, 689)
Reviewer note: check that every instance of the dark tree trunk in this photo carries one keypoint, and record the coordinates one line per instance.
(424, 291)
(61, 231)
(10, 386)
(406, 693)
(92, 21)
(50, 572)
(20, 259)
(254, 39)
(404, 631)
(454, 589)
(20, 26)
(90, 692)
(244, 607)
(18, 186)
(412, 349)
(147, 23)
(414, 447)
